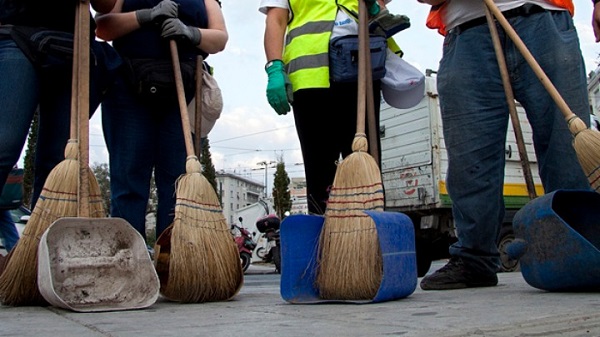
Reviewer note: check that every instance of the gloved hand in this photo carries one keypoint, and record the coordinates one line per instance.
(279, 87)
(177, 30)
(372, 7)
(157, 14)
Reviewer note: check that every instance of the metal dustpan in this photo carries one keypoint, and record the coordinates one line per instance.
(557, 239)
(90, 264)
(299, 249)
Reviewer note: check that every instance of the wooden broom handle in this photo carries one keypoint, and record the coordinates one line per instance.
(562, 105)
(363, 42)
(371, 120)
(198, 112)
(83, 105)
(510, 100)
(185, 118)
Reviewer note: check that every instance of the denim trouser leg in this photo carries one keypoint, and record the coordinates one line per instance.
(475, 117)
(19, 94)
(141, 138)
(8, 231)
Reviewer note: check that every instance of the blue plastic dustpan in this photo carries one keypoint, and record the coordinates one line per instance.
(557, 237)
(299, 249)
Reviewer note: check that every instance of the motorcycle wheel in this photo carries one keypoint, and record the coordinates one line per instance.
(246, 259)
(276, 259)
(261, 252)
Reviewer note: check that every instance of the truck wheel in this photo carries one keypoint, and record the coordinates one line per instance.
(246, 259)
(506, 237)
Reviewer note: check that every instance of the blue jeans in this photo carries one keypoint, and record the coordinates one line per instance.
(475, 119)
(23, 89)
(141, 138)
(8, 231)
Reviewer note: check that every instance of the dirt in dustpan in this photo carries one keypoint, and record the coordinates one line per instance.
(91, 264)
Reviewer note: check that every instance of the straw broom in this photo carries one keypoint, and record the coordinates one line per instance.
(585, 141)
(18, 282)
(204, 263)
(350, 262)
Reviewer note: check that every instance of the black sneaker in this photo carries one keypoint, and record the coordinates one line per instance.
(455, 275)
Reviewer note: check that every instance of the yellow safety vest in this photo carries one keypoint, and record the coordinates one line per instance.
(307, 41)
(435, 17)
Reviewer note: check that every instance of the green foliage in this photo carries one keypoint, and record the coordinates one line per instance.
(29, 160)
(208, 169)
(103, 177)
(282, 201)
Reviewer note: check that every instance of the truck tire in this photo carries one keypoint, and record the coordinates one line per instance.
(506, 237)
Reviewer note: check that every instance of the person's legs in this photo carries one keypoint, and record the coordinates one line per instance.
(475, 123)
(552, 39)
(8, 230)
(19, 94)
(325, 133)
(130, 138)
(169, 165)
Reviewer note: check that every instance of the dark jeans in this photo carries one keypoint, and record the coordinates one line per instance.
(142, 138)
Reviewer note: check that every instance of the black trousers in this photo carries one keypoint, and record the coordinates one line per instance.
(326, 125)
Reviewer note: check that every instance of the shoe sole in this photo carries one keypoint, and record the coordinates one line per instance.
(451, 286)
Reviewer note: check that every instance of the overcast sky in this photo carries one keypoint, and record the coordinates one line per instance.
(249, 131)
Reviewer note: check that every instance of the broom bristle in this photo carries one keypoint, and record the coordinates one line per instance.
(18, 282)
(587, 147)
(350, 261)
(204, 262)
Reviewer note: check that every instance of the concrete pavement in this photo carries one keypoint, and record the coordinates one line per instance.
(513, 308)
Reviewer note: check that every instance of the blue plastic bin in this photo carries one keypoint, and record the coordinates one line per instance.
(299, 249)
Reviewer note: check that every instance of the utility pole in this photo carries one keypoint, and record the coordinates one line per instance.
(266, 168)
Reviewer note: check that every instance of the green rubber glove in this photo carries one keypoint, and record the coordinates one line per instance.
(279, 87)
(372, 7)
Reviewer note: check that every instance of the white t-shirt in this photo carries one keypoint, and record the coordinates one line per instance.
(344, 24)
(461, 11)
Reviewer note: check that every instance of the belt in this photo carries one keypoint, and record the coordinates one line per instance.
(524, 10)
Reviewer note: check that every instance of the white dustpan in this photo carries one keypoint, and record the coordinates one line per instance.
(91, 264)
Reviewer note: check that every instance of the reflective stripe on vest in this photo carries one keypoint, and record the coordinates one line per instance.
(435, 21)
(307, 41)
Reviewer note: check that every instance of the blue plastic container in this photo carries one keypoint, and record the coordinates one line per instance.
(299, 249)
(557, 238)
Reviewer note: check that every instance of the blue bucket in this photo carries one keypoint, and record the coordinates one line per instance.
(299, 249)
(557, 238)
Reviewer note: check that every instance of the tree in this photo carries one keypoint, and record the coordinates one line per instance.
(208, 169)
(282, 201)
(102, 176)
(28, 161)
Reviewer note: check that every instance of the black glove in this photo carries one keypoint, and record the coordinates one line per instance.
(177, 30)
(157, 14)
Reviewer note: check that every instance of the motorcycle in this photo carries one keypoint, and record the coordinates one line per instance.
(271, 251)
(245, 244)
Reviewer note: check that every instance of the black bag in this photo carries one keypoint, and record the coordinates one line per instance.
(12, 193)
(343, 57)
(154, 80)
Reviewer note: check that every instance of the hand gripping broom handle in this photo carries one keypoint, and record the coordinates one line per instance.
(185, 118)
(510, 100)
(562, 105)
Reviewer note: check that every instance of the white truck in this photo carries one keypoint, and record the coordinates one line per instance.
(414, 163)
